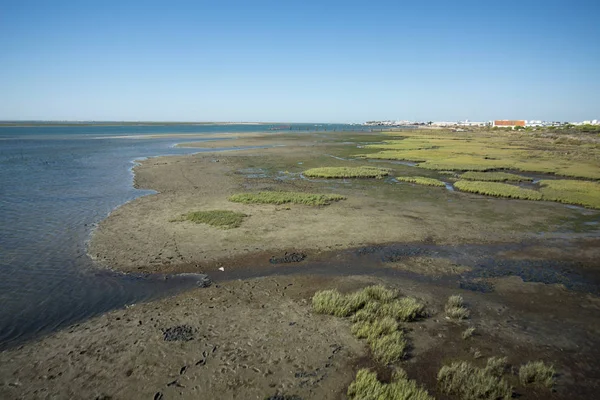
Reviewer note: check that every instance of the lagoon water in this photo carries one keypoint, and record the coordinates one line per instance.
(56, 183)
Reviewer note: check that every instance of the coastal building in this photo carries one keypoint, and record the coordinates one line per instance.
(508, 123)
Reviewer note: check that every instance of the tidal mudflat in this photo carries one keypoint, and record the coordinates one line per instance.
(527, 273)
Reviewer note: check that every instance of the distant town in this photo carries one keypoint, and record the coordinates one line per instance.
(514, 124)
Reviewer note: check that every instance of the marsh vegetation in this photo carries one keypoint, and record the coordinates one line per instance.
(219, 218)
(367, 386)
(376, 312)
(494, 177)
(347, 172)
(308, 199)
(421, 180)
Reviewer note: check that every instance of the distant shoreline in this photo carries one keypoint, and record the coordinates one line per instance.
(14, 124)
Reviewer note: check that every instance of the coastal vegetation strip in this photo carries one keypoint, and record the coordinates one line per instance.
(583, 193)
(491, 151)
(219, 218)
(274, 197)
(346, 172)
(421, 180)
(494, 177)
(498, 189)
(577, 192)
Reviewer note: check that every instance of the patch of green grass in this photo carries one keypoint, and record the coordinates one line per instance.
(347, 172)
(375, 311)
(405, 309)
(455, 308)
(537, 373)
(467, 333)
(219, 218)
(366, 386)
(286, 198)
(583, 193)
(421, 180)
(333, 302)
(469, 382)
(490, 151)
(496, 365)
(371, 330)
(390, 348)
(494, 177)
(498, 190)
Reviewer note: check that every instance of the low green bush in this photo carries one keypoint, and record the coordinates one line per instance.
(537, 373)
(468, 382)
(366, 386)
(421, 180)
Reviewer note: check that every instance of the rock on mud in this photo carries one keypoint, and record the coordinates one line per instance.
(183, 333)
(288, 258)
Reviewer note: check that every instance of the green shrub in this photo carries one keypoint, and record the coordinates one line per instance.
(467, 333)
(537, 373)
(376, 311)
(285, 198)
(219, 218)
(366, 386)
(496, 365)
(389, 349)
(373, 329)
(333, 302)
(421, 180)
(455, 308)
(468, 382)
(347, 172)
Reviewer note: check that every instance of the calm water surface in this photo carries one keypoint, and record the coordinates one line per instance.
(56, 183)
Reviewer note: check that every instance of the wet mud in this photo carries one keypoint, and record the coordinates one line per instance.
(485, 262)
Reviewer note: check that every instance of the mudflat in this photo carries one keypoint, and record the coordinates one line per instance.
(528, 272)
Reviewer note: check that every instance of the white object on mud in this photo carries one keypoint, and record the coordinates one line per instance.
(221, 269)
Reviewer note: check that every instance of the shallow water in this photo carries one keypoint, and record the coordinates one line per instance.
(56, 183)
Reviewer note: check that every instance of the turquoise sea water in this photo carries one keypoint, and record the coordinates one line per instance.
(56, 183)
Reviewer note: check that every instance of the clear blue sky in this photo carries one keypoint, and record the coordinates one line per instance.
(303, 61)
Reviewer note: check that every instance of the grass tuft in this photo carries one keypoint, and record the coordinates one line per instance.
(498, 190)
(537, 373)
(366, 386)
(469, 382)
(333, 302)
(347, 172)
(389, 349)
(494, 177)
(371, 330)
(219, 218)
(285, 198)
(376, 312)
(467, 333)
(455, 308)
(421, 180)
(496, 365)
